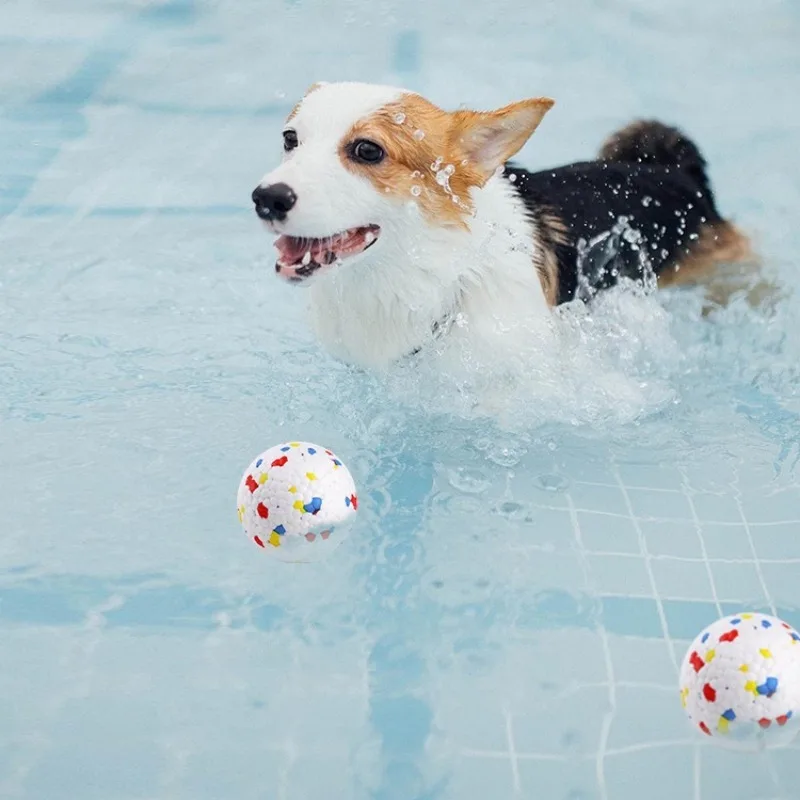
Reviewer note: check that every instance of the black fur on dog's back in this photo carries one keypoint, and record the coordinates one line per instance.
(652, 142)
(648, 194)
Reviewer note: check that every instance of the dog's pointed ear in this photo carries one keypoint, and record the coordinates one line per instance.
(489, 139)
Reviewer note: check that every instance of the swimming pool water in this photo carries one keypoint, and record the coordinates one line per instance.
(507, 618)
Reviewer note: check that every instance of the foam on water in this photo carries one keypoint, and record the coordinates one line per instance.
(610, 364)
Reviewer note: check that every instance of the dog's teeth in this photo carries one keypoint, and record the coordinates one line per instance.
(306, 258)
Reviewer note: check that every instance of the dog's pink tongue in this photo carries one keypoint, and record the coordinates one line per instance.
(290, 249)
(293, 250)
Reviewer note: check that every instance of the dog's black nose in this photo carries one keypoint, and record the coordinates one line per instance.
(274, 202)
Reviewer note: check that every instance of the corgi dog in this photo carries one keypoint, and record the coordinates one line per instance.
(409, 223)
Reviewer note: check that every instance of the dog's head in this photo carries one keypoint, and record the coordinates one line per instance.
(361, 162)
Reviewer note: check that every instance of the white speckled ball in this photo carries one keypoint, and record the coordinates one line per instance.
(295, 500)
(740, 681)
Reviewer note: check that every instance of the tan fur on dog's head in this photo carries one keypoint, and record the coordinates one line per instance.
(436, 157)
(432, 158)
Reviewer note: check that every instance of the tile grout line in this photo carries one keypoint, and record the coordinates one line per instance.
(512, 752)
(649, 569)
(756, 560)
(701, 539)
(608, 717)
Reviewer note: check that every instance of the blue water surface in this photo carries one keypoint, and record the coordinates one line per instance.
(508, 616)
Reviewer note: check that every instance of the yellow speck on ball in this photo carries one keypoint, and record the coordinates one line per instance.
(722, 725)
(262, 478)
(684, 696)
(311, 476)
(292, 490)
(241, 513)
(710, 656)
(294, 444)
(744, 668)
(274, 539)
(298, 506)
(751, 687)
(747, 616)
(765, 652)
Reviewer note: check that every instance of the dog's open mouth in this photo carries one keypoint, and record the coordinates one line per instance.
(300, 257)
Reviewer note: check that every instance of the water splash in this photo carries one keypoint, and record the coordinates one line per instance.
(605, 259)
(608, 364)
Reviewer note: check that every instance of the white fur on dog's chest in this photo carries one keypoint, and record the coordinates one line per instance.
(382, 309)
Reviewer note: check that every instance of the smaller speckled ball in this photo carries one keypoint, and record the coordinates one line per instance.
(295, 500)
(740, 682)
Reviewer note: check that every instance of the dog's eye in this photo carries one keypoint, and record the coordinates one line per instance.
(366, 151)
(290, 140)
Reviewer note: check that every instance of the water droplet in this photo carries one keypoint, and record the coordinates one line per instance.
(400, 118)
(436, 166)
(416, 190)
(505, 455)
(511, 510)
(552, 483)
(631, 236)
(469, 481)
(482, 443)
(419, 135)
(513, 177)
(646, 201)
